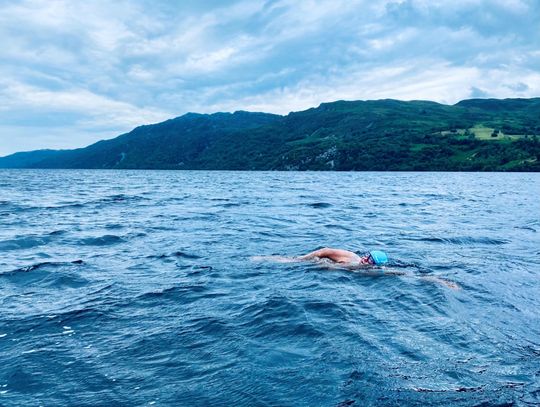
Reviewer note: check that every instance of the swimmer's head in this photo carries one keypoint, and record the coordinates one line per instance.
(377, 257)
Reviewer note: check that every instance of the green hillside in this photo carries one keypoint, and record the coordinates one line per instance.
(473, 135)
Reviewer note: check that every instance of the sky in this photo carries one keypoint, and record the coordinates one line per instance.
(74, 72)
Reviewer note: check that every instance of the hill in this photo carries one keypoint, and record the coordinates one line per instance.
(473, 135)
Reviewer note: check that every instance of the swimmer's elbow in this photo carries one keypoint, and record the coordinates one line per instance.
(317, 253)
(324, 252)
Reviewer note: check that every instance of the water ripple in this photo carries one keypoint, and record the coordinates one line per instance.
(139, 287)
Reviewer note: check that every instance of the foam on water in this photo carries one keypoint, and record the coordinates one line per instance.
(158, 287)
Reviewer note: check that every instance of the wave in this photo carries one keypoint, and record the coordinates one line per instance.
(8, 207)
(325, 309)
(526, 228)
(455, 389)
(336, 226)
(319, 205)
(271, 308)
(16, 208)
(57, 232)
(209, 325)
(24, 242)
(77, 315)
(66, 205)
(185, 255)
(122, 198)
(114, 226)
(185, 294)
(48, 274)
(30, 241)
(105, 240)
(277, 316)
(465, 240)
(111, 199)
(38, 266)
(176, 254)
(230, 204)
(404, 204)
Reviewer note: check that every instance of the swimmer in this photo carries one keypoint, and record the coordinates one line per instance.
(344, 258)
(347, 258)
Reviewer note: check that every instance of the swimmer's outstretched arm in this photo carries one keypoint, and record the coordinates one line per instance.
(277, 259)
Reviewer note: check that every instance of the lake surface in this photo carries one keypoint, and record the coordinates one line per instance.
(139, 288)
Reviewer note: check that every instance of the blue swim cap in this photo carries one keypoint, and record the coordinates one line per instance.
(379, 257)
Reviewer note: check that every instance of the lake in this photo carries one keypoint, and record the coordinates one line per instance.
(141, 288)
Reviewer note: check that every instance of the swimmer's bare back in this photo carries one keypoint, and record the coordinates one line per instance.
(336, 255)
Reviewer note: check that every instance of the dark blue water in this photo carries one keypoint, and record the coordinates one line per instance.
(138, 288)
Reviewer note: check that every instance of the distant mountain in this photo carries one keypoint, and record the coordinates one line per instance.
(473, 135)
(27, 159)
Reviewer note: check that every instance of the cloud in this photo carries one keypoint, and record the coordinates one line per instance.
(89, 70)
(104, 110)
(518, 86)
(478, 93)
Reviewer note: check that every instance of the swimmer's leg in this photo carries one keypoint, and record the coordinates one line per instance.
(442, 281)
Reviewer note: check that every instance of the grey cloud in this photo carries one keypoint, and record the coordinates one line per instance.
(518, 87)
(488, 17)
(478, 93)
